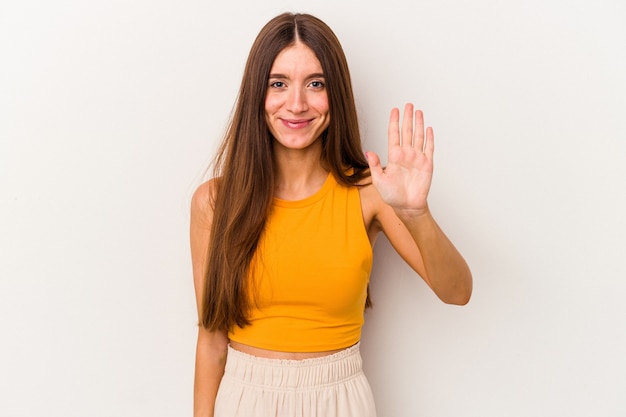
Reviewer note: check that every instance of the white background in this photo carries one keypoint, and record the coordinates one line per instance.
(111, 110)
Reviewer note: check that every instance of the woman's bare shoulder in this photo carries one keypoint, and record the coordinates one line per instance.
(371, 205)
(205, 191)
(369, 193)
(203, 199)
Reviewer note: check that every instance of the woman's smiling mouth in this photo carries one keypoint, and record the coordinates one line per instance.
(296, 123)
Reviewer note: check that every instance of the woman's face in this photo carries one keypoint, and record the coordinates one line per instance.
(296, 103)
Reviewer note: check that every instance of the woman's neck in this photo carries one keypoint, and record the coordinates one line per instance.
(299, 174)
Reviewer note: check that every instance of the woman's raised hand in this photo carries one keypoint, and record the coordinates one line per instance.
(405, 182)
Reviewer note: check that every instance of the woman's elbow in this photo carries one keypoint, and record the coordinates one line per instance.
(461, 293)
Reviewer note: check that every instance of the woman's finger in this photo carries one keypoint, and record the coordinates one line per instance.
(429, 146)
(418, 139)
(393, 133)
(407, 125)
(373, 161)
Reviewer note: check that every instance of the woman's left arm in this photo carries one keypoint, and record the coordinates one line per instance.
(404, 216)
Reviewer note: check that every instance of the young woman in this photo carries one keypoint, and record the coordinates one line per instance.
(282, 236)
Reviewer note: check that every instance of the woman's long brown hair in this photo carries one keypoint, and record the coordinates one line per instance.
(244, 168)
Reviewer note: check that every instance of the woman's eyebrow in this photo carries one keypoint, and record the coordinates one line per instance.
(314, 75)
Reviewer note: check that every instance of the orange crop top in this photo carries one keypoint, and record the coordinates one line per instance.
(310, 274)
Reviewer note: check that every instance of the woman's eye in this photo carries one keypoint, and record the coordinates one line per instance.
(317, 84)
(277, 84)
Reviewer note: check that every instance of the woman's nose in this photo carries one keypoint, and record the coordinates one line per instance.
(296, 103)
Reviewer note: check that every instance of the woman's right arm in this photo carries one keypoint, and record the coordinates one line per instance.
(212, 346)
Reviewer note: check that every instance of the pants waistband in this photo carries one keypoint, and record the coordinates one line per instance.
(291, 374)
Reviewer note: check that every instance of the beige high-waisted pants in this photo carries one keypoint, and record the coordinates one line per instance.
(330, 386)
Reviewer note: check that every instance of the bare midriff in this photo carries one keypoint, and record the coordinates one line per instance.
(275, 354)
